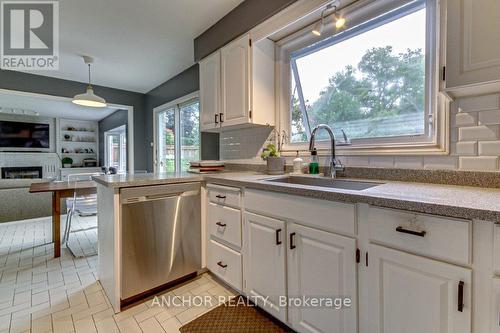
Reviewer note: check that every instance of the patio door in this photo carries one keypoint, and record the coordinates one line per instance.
(115, 148)
(177, 134)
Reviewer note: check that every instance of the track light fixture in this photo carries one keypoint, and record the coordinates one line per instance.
(339, 20)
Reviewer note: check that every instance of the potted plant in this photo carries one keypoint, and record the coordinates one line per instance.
(67, 162)
(275, 163)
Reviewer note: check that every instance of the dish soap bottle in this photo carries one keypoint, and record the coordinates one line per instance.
(297, 164)
(314, 165)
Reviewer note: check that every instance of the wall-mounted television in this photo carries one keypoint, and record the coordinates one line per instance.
(24, 136)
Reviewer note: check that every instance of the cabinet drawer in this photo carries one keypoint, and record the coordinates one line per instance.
(322, 214)
(433, 236)
(225, 263)
(225, 223)
(223, 195)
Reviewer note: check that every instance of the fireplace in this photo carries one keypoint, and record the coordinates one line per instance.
(22, 172)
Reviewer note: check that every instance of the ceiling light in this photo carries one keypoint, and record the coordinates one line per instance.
(88, 98)
(339, 22)
(318, 29)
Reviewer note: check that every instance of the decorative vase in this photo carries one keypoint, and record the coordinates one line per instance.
(67, 165)
(275, 165)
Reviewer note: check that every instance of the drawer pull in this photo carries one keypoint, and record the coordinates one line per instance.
(220, 224)
(278, 240)
(411, 232)
(221, 264)
(218, 196)
(460, 296)
(292, 245)
(216, 121)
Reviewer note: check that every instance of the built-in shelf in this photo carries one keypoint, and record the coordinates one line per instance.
(70, 141)
(79, 140)
(73, 131)
(93, 154)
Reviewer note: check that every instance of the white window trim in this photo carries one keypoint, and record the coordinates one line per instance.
(357, 13)
(175, 104)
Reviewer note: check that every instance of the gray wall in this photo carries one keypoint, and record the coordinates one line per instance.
(57, 87)
(178, 86)
(240, 20)
(114, 120)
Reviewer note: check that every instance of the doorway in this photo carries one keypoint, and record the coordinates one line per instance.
(115, 148)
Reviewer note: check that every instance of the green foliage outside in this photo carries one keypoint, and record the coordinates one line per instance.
(383, 95)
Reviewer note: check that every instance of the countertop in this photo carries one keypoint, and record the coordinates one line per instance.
(146, 179)
(445, 200)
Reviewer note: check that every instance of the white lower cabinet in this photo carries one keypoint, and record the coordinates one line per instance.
(413, 294)
(265, 262)
(321, 264)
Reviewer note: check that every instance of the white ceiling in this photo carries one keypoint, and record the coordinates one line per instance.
(136, 45)
(14, 103)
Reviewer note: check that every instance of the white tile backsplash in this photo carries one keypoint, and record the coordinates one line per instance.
(474, 141)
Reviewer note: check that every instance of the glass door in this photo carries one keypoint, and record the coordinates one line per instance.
(189, 133)
(115, 148)
(165, 141)
(177, 137)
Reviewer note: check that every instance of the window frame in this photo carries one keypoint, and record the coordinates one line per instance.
(359, 14)
(176, 105)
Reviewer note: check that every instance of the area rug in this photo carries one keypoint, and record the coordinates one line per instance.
(237, 315)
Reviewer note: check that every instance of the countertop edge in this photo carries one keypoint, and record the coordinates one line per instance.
(366, 198)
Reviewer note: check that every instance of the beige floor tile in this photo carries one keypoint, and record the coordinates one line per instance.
(107, 325)
(150, 312)
(63, 324)
(151, 325)
(42, 324)
(171, 325)
(85, 325)
(129, 325)
(130, 312)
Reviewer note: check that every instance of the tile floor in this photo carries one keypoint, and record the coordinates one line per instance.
(42, 294)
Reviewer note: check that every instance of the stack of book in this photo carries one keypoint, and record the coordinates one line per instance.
(206, 166)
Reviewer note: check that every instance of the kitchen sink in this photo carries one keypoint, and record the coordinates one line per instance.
(326, 182)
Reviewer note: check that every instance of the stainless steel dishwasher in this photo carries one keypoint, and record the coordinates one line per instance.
(161, 236)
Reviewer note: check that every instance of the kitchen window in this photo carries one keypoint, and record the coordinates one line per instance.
(177, 134)
(375, 79)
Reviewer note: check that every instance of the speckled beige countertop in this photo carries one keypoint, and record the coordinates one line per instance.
(446, 200)
(147, 179)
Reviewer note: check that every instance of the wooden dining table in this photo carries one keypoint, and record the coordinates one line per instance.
(61, 190)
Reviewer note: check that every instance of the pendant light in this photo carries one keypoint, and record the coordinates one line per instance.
(89, 98)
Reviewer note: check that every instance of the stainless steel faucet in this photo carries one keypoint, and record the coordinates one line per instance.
(334, 165)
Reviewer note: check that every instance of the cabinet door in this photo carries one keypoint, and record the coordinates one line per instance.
(321, 264)
(210, 92)
(413, 294)
(473, 50)
(264, 261)
(235, 82)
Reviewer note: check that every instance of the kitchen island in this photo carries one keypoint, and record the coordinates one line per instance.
(149, 233)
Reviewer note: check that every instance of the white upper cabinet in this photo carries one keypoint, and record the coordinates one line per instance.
(210, 102)
(321, 263)
(472, 47)
(264, 266)
(413, 294)
(235, 82)
(237, 85)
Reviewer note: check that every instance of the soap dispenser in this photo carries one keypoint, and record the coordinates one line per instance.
(314, 165)
(297, 164)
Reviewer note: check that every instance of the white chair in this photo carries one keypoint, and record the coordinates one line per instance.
(83, 205)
